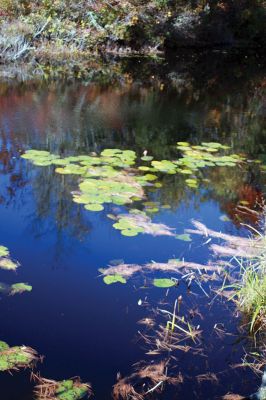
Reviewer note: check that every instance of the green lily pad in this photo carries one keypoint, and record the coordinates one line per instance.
(70, 389)
(147, 158)
(163, 283)
(143, 168)
(130, 232)
(110, 279)
(20, 288)
(16, 357)
(94, 207)
(183, 144)
(4, 252)
(185, 237)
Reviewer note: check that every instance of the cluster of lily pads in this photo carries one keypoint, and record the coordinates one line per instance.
(158, 282)
(136, 221)
(208, 154)
(70, 389)
(107, 178)
(111, 178)
(15, 288)
(95, 192)
(7, 264)
(12, 358)
(17, 357)
(5, 260)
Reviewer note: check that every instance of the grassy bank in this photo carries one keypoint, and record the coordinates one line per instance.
(58, 31)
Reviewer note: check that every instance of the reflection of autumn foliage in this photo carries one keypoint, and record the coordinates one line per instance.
(252, 198)
(236, 187)
(75, 118)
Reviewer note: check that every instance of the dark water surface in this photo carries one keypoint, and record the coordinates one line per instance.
(82, 326)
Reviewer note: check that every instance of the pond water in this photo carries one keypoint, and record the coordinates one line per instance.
(81, 325)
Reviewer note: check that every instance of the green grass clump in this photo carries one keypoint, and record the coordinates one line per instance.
(251, 293)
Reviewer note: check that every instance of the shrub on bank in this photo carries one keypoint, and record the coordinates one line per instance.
(123, 26)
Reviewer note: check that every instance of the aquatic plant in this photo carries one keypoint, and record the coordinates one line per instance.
(5, 260)
(163, 283)
(138, 222)
(4, 252)
(234, 246)
(110, 279)
(7, 264)
(184, 236)
(250, 292)
(249, 287)
(107, 178)
(70, 389)
(20, 288)
(14, 358)
(110, 178)
(195, 158)
(16, 288)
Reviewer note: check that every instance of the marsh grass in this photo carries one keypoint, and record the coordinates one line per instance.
(250, 291)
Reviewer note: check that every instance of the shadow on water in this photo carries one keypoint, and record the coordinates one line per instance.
(82, 326)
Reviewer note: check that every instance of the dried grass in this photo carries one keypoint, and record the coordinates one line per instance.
(128, 270)
(235, 246)
(46, 388)
(125, 270)
(147, 378)
(232, 396)
(208, 377)
(143, 221)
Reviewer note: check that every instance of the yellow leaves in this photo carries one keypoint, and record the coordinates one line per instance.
(134, 20)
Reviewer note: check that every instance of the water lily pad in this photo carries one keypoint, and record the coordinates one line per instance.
(130, 232)
(16, 357)
(6, 263)
(143, 168)
(70, 389)
(149, 177)
(94, 207)
(20, 288)
(4, 252)
(183, 144)
(110, 279)
(147, 158)
(185, 237)
(163, 283)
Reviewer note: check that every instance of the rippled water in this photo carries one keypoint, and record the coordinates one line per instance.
(79, 324)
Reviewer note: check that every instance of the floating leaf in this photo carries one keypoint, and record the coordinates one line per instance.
(6, 263)
(4, 252)
(94, 207)
(183, 144)
(138, 222)
(185, 237)
(70, 389)
(147, 158)
(20, 288)
(110, 279)
(130, 232)
(163, 283)
(16, 357)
